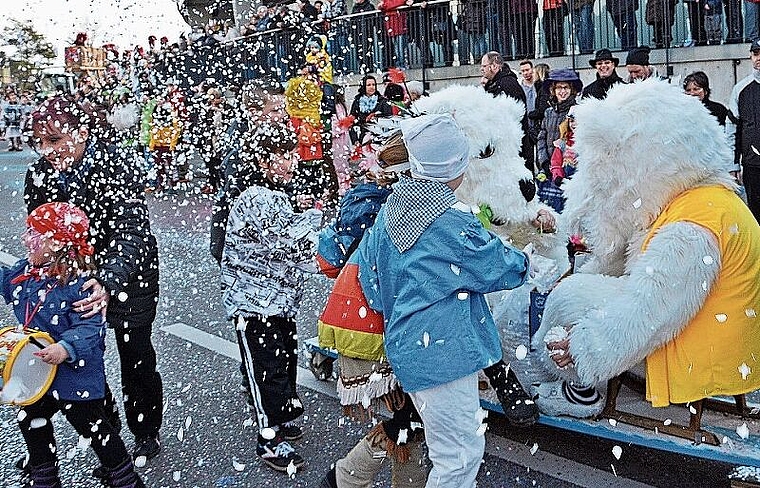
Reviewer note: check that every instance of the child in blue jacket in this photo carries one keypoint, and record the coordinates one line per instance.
(42, 289)
(426, 265)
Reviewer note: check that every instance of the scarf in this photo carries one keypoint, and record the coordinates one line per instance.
(31, 272)
(367, 103)
(412, 207)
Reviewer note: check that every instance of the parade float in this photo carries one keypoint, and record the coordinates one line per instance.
(721, 425)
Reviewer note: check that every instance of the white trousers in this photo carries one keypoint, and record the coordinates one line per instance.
(452, 417)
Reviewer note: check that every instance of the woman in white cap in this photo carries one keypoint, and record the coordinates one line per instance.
(426, 265)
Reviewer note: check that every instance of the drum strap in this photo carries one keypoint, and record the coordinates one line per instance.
(29, 315)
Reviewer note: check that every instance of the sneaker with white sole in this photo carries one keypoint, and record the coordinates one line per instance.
(554, 398)
(278, 454)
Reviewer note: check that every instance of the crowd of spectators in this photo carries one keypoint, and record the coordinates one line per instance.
(402, 33)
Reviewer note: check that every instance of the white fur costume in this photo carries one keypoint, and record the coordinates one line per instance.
(639, 148)
(494, 177)
(496, 171)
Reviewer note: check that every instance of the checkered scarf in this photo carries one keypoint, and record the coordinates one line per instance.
(412, 207)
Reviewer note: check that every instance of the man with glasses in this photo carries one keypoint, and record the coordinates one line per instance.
(606, 76)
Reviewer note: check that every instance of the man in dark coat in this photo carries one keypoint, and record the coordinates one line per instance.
(606, 76)
(501, 79)
(743, 129)
(78, 168)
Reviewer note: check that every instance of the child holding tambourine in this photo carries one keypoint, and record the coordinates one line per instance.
(42, 289)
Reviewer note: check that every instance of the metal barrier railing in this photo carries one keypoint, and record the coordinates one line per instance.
(444, 33)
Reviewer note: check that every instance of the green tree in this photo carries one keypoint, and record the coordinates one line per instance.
(31, 50)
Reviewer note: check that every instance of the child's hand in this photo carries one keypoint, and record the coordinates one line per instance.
(544, 221)
(53, 354)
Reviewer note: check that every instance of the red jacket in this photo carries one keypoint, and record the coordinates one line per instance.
(395, 21)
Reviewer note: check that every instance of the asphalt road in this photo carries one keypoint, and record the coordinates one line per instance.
(208, 434)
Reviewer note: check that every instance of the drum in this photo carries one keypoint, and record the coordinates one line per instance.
(24, 377)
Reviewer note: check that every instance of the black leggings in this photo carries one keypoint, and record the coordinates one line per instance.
(37, 428)
(751, 180)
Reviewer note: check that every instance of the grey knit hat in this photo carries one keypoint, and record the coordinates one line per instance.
(438, 149)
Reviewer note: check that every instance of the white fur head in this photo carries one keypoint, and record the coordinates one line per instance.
(486, 120)
(496, 175)
(637, 149)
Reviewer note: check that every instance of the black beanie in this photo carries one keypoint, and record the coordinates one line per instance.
(638, 55)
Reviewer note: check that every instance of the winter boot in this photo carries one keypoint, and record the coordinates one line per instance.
(329, 480)
(124, 476)
(563, 398)
(44, 476)
(519, 409)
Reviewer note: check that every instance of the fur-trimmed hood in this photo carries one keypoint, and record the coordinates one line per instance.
(641, 146)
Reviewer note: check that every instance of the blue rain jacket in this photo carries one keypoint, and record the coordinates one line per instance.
(82, 375)
(438, 327)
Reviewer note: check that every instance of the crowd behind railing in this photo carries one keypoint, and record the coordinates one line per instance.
(413, 34)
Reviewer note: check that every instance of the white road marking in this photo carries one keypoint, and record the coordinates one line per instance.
(209, 341)
(230, 349)
(543, 462)
(7, 259)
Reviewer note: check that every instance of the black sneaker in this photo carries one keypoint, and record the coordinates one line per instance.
(290, 432)
(147, 447)
(329, 480)
(22, 464)
(519, 408)
(278, 454)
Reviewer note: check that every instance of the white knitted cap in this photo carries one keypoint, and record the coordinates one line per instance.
(438, 149)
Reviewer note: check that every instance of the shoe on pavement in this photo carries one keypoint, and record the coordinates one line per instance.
(290, 432)
(146, 446)
(555, 398)
(22, 464)
(329, 481)
(278, 454)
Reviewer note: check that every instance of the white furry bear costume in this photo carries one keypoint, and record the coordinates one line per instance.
(674, 275)
(496, 175)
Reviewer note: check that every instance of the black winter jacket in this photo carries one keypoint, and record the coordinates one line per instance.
(126, 253)
(748, 124)
(600, 87)
(505, 81)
